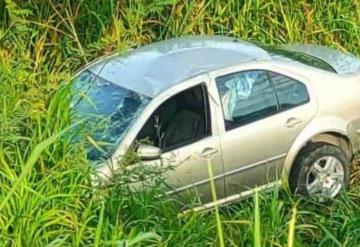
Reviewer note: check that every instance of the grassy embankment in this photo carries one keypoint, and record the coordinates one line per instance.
(45, 198)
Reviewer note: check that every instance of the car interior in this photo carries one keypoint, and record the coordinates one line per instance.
(179, 120)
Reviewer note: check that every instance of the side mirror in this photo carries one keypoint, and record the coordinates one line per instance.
(147, 152)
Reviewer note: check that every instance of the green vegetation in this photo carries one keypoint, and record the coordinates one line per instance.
(45, 194)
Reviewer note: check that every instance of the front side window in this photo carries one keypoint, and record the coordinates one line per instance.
(246, 97)
(290, 92)
(180, 120)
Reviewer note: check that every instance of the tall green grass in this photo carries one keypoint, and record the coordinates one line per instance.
(46, 198)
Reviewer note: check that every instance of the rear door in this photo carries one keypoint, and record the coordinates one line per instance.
(263, 111)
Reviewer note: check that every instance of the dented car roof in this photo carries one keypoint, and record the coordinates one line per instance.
(153, 68)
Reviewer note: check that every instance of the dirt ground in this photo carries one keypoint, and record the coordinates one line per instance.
(356, 171)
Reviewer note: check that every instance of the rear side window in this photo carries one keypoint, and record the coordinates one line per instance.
(290, 92)
(246, 97)
(252, 95)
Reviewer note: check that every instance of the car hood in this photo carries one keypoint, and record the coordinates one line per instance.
(342, 62)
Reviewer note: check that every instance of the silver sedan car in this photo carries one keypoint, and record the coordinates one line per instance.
(262, 115)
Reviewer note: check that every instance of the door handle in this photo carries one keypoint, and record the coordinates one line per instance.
(208, 153)
(293, 122)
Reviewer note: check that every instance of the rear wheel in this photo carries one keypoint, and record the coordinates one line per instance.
(321, 171)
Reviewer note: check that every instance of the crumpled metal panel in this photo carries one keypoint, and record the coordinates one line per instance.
(155, 67)
(342, 62)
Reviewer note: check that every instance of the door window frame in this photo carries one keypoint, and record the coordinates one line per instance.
(303, 81)
(155, 102)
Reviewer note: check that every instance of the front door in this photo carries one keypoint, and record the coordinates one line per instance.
(263, 113)
(181, 127)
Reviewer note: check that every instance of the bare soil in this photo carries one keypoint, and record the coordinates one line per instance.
(355, 177)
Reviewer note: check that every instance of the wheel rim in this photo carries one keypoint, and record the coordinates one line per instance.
(326, 177)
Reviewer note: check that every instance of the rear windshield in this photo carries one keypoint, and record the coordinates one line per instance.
(300, 57)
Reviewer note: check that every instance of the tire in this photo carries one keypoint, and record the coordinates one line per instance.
(321, 170)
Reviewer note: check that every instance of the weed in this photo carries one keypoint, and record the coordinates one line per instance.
(46, 198)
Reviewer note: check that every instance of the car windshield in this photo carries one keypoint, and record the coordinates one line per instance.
(299, 57)
(109, 111)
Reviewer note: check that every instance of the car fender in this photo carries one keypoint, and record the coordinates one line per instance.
(317, 126)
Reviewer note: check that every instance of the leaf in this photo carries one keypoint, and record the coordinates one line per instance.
(34, 156)
(141, 237)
